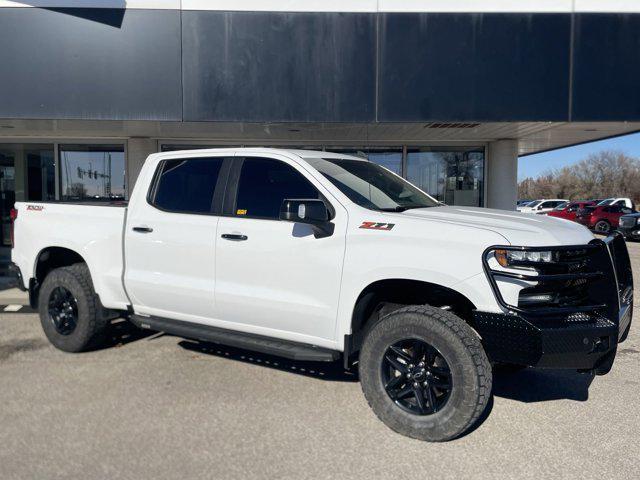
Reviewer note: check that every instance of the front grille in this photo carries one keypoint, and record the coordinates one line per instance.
(577, 288)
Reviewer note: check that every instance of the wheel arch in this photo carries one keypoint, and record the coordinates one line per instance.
(48, 259)
(381, 297)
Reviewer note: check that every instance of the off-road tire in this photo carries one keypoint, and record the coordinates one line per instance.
(91, 326)
(461, 348)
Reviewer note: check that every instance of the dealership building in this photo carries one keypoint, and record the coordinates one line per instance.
(447, 93)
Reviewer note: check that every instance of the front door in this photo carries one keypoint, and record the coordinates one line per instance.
(274, 277)
(170, 241)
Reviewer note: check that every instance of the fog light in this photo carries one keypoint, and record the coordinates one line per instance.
(535, 298)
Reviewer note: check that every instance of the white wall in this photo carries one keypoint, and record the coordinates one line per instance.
(502, 174)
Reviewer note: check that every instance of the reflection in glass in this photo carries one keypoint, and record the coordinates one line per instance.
(41, 175)
(388, 158)
(92, 172)
(455, 177)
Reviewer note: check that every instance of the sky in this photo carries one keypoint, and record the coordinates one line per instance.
(534, 165)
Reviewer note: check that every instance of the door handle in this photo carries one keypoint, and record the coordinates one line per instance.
(234, 237)
(142, 229)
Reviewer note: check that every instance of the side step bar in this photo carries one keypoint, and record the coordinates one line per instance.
(258, 343)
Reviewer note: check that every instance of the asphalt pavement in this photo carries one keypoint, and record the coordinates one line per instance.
(156, 406)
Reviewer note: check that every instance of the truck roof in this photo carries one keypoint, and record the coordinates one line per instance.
(300, 153)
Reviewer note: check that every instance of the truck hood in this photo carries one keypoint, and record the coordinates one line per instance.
(517, 228)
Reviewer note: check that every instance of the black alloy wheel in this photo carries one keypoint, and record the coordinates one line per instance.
(416, 377)
(63, 310)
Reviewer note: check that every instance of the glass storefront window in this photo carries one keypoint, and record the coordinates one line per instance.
(453, 176)
(92, 172)
(41, 174)
(390, 158)
(27, 172)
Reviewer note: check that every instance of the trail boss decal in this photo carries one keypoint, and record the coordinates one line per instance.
(377, 226)
(37, 208)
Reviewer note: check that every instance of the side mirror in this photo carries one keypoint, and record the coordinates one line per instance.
(310, 211)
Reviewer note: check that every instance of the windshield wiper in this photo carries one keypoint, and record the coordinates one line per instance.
(402, 208)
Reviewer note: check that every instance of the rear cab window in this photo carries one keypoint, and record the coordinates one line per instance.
(186, 185)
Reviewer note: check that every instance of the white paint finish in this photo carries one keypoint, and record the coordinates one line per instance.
(94, 232)
(546, 206)
(170, 270)
(282, 282)
(281, 277)
(502, 174)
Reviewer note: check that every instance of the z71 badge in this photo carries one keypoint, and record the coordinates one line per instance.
(377, 226)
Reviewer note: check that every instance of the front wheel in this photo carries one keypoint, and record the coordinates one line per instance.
(424, 373)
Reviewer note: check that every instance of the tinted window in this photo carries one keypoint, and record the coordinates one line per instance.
(187, 185)
(371, 186)
(265, 183)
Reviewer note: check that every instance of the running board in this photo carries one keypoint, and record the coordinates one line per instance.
(258, 343)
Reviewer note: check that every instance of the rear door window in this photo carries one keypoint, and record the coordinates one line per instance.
(187, 185)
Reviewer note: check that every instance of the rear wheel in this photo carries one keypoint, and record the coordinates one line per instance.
(425, 373)
(602, 226)
(68, 309)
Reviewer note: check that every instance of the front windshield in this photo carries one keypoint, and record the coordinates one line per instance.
(534, 204)
(607, 201)
(372, 186)
(561, 206)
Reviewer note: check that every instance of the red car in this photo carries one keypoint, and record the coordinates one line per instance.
(569, 210)
(602, 219)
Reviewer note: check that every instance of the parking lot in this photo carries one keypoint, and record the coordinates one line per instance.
(155, 406)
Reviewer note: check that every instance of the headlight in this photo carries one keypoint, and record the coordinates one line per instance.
(513, 257)
(638, 221)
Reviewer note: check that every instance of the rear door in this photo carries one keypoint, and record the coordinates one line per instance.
(170, 240)
(274, 277)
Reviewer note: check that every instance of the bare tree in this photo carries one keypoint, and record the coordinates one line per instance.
(600, 175)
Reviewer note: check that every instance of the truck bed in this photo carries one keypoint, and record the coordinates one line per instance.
(93, 229)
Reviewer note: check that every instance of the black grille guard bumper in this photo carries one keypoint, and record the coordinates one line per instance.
(582, 335)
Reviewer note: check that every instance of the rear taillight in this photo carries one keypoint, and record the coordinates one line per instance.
(13, 215)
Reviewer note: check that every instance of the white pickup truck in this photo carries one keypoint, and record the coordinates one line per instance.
(317, 256)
